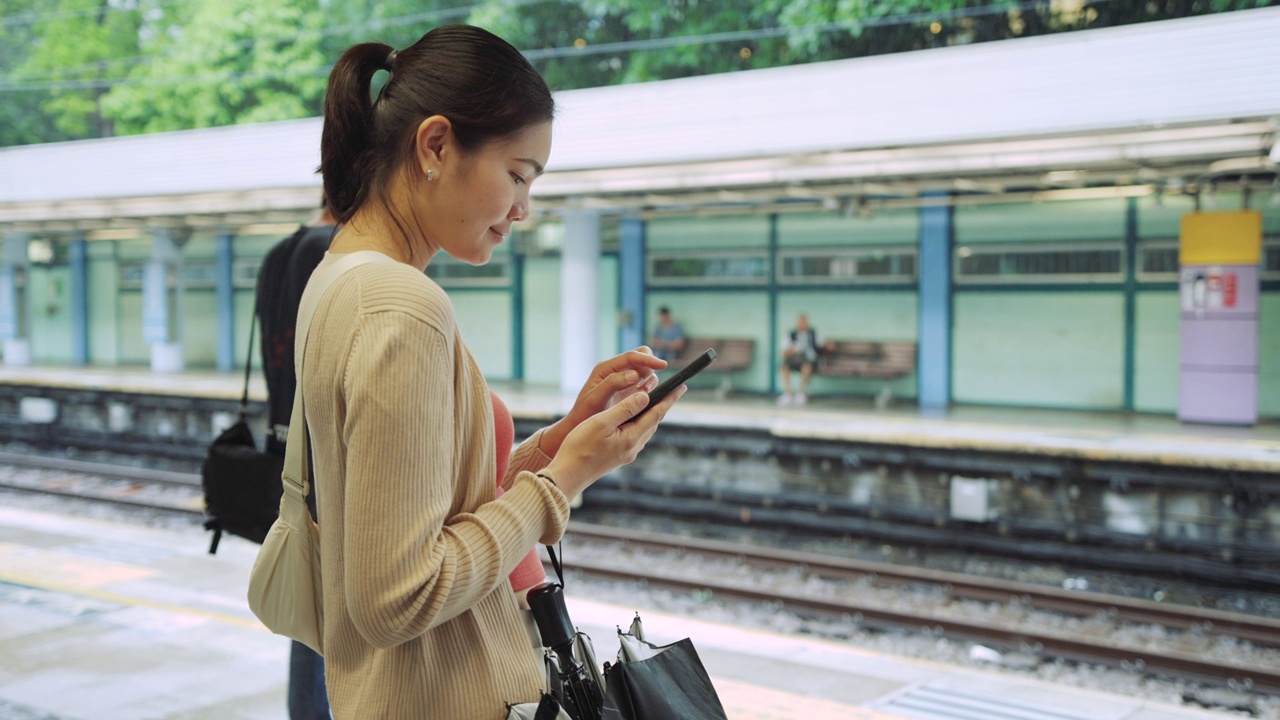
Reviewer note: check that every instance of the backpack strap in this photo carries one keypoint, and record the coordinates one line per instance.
(297, 450)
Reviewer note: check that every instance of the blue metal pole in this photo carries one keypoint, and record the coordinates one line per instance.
(225, 299)
(79, 267)
(937, 237)
(517, 315)
(631, 279)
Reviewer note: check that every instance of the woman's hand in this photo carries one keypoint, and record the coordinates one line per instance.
(605, 441)
(610, 382)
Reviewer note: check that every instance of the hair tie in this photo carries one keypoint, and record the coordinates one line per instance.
(391, 59)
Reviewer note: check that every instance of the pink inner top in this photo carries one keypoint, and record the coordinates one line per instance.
(529, 572)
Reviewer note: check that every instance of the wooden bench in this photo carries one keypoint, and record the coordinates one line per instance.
(868, 358)
(732, 355)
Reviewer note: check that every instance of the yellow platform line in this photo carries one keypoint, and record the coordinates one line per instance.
(130, 600)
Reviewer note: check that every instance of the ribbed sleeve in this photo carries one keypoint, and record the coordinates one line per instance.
(420, 620)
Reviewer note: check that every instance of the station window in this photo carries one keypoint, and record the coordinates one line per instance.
(200, 275)
(196, 275)
(860, 265)
(244, 273)
(709, 266)
(1041, 264)
(455, 273)
(1158, 260)
(1271, 258)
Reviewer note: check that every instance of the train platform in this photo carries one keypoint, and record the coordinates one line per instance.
(109, 620)
(1087, 436)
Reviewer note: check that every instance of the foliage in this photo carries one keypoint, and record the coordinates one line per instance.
(22, 117)
(91, 68)
(233, 61)
(76, 44)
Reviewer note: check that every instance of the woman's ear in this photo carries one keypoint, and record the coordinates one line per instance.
(433, 137)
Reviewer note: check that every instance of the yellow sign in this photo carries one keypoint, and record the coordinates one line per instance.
(1221, 238)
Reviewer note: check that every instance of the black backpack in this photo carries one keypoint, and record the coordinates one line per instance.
(241, 484)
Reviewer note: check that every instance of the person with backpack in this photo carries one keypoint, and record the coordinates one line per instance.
(281, 279)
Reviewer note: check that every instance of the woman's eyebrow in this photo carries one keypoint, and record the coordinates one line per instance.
(537, 166)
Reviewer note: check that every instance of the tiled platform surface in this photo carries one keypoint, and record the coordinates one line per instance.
(1156, 439)
(102, 620)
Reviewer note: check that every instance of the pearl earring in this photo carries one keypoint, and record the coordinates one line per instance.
(431, 175)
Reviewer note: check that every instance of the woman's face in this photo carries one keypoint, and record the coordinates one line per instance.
(479, 194)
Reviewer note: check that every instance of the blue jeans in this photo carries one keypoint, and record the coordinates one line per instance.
(307, 697)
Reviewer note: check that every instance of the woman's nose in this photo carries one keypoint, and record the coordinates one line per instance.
(520, 211)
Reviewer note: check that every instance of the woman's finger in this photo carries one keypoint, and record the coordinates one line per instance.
(649, 421)
(620, 414)
(640, 360)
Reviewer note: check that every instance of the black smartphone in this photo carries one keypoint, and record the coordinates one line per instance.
(698, 365)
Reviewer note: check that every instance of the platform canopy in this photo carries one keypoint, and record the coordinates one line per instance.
(1167, 106)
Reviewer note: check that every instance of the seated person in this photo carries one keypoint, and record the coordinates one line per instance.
(668, 338)
(800, 353)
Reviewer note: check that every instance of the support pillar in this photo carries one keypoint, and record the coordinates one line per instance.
(161, 297)
(225, 298)
(631, 266)
(937, 238)
(13, 300)
(1130, 300)
(579, 298)
(79, 266)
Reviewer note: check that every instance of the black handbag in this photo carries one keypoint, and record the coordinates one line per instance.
(648, 682)
(651, 682)
(241, 484)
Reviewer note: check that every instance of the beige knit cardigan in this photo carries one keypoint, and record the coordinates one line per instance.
(419, 618)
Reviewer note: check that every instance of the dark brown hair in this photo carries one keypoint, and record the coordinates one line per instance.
(477, 80)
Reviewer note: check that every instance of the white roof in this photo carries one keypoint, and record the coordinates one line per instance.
(1216, 67)
(1207, 69)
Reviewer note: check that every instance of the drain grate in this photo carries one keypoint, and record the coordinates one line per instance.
(932, 703)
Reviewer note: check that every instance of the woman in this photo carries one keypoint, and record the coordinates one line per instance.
(420, 618)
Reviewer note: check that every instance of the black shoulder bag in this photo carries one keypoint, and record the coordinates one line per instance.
(241, 484)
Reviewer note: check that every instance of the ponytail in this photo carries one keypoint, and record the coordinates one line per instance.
(348, 134)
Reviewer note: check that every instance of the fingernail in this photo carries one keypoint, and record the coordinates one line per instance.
(632, 376)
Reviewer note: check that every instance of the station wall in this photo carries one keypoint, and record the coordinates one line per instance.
(1030, 342)
(1021, 338)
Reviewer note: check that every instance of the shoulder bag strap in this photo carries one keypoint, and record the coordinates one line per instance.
(297, 449)
(248, 363)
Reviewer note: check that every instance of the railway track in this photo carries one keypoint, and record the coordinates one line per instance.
(180, 493)
(1117, 610)
(144, 488)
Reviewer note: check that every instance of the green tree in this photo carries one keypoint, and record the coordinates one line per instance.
(398, 23)
(231, 61)
(22, 116)
(559, 37)
(77, 46)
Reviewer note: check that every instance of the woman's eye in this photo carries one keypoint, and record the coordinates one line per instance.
(519, 180)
